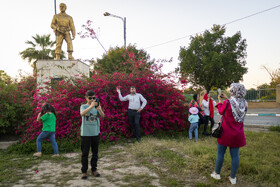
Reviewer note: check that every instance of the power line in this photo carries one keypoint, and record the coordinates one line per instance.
(251, 15)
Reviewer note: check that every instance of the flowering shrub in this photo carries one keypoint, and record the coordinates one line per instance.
(15, 103)
(165, 110)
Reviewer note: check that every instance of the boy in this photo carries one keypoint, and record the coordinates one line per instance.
(90, 129)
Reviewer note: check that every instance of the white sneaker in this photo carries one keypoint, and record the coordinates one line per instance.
(232, 181)
(38, 154)
(215, 176)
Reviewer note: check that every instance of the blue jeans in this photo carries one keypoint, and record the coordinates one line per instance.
(234, 153)
(44, 135)
(193, 127)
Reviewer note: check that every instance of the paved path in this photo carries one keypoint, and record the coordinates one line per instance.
(6, 144)
(261, 111)
(267, 116)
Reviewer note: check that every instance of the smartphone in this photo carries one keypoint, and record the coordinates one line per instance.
(219, 91)
(97, 101)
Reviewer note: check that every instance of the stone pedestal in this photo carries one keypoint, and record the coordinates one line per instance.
(55, 70)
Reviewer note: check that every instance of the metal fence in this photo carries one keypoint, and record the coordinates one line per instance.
(260, 95)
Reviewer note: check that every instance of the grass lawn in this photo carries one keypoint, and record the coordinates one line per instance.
(157, 161)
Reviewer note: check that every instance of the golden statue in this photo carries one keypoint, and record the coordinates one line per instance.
(62, 24)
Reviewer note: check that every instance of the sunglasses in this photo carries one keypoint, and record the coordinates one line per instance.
(90, 98)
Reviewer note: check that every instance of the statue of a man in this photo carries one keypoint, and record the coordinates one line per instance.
(62, 24)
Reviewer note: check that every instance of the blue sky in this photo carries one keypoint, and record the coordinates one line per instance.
(149, 23)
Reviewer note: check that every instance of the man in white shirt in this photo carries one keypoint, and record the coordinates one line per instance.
(134, 109)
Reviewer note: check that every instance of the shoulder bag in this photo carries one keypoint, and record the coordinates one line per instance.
(217, 129)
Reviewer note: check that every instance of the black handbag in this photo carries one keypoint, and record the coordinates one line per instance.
(217, 129)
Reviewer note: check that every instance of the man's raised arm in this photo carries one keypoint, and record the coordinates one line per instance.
(120, 95)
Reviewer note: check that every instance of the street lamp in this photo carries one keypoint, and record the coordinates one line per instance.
(124, 24)
(54, 6)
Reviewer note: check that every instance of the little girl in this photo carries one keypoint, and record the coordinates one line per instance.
(193, 119)
(47, 115)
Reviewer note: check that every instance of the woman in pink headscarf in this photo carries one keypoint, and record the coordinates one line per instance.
(232, 134)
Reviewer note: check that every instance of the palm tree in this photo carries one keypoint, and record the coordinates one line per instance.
(41, 48)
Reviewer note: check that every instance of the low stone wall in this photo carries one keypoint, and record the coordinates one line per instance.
(263, 105)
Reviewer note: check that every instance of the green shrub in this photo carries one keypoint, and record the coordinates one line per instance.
(275, 128)
(64, 146)
(188, 97)
(15, 101)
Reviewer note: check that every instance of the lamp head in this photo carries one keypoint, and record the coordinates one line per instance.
(106, 14)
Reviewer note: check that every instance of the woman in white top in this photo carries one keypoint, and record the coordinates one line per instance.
(208, 107)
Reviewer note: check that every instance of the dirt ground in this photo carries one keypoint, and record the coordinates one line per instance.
(116, 166)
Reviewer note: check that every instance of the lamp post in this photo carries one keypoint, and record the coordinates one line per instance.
(124, 24)
(54, 6)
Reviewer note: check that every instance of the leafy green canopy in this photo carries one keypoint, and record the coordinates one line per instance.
(212, 60)
(275, 79)
(4, 77)
(119, 59)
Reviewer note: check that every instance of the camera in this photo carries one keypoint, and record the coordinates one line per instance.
(219, 91)
(222, 95)
(97, 101)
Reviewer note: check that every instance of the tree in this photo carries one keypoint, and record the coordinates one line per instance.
(275, 80)
(275, 77)
(4, 77)
(212, 60)
(119, 59)
(41, 48)
(263, 86)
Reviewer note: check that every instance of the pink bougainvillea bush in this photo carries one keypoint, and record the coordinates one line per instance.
(165, 110)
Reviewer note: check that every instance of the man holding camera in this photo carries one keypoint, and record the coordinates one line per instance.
(90, 129)
(134, 109)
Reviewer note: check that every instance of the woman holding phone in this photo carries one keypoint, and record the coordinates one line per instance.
(232, 134)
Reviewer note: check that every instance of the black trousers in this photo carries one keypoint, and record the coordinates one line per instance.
(201, 120)
(134, 118)
(206, 120)
(88, 142)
